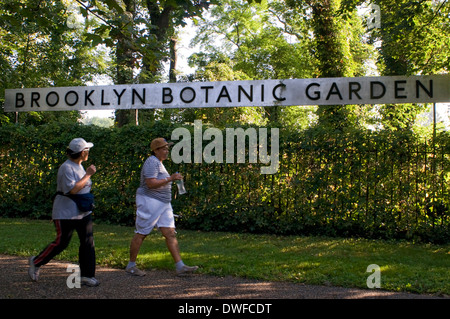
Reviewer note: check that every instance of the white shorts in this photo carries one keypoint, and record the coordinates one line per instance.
(152, 212)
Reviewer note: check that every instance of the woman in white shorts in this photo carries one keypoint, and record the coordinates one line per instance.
(153, 199)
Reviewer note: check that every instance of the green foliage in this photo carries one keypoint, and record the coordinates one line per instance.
(284, 39)
(39, 49)
(350, 183)
(411, 43)
(411, 36)
(335, 178)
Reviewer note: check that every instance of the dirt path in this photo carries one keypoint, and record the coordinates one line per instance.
(116, 284)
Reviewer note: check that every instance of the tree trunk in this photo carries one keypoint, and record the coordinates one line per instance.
(330, 53)
(125, 63)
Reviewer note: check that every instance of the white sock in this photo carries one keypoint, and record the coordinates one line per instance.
(179, 265)
(131, 264)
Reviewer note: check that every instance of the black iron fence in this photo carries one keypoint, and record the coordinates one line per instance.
(360, 183)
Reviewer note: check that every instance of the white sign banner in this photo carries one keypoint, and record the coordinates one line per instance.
(319, 91)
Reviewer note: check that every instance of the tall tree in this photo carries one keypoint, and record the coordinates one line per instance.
(334, 43)
(38, 48)
(140, 33)
(256, 41)
(412, 42)
(125, 56)
(286, 39)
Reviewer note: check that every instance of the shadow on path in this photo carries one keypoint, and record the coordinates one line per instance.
(117, 284)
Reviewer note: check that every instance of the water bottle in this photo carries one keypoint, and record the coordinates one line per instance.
(180, 185)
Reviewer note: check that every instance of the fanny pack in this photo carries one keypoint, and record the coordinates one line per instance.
(85, 202)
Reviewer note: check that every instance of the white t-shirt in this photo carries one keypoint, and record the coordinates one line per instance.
(154, 168)
(68, 174)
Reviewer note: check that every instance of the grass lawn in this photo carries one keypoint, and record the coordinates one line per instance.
(419, 268)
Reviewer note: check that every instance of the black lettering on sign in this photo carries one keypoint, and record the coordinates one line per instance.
(52, 98)
(206, 88)
(87, 97)
(224, 93)
(249, 96)
(190, 95)
(377, 87)
(19, 98)
(102, 102)
(167, 93)
(354, 87)
(276, 97)
(119, 96)
(429, 91)
(397, 89)
(141, 98)
(35, 96)
(316, 93)
(71, 98)
(334, 90)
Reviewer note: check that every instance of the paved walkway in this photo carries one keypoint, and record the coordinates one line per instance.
(117, 284)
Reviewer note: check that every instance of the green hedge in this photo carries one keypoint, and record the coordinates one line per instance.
(356, 183)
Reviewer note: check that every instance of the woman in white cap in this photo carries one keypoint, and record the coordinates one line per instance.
(67, 216)
(153, 199)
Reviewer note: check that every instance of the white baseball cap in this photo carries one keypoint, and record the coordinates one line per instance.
(79, 144)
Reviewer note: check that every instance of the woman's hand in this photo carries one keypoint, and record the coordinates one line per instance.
(91, 170)
(82, 182)
(175, 176)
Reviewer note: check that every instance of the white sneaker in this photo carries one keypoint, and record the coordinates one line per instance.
(33, 271)
(90, 282)
(135, 271)
(186, 270)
